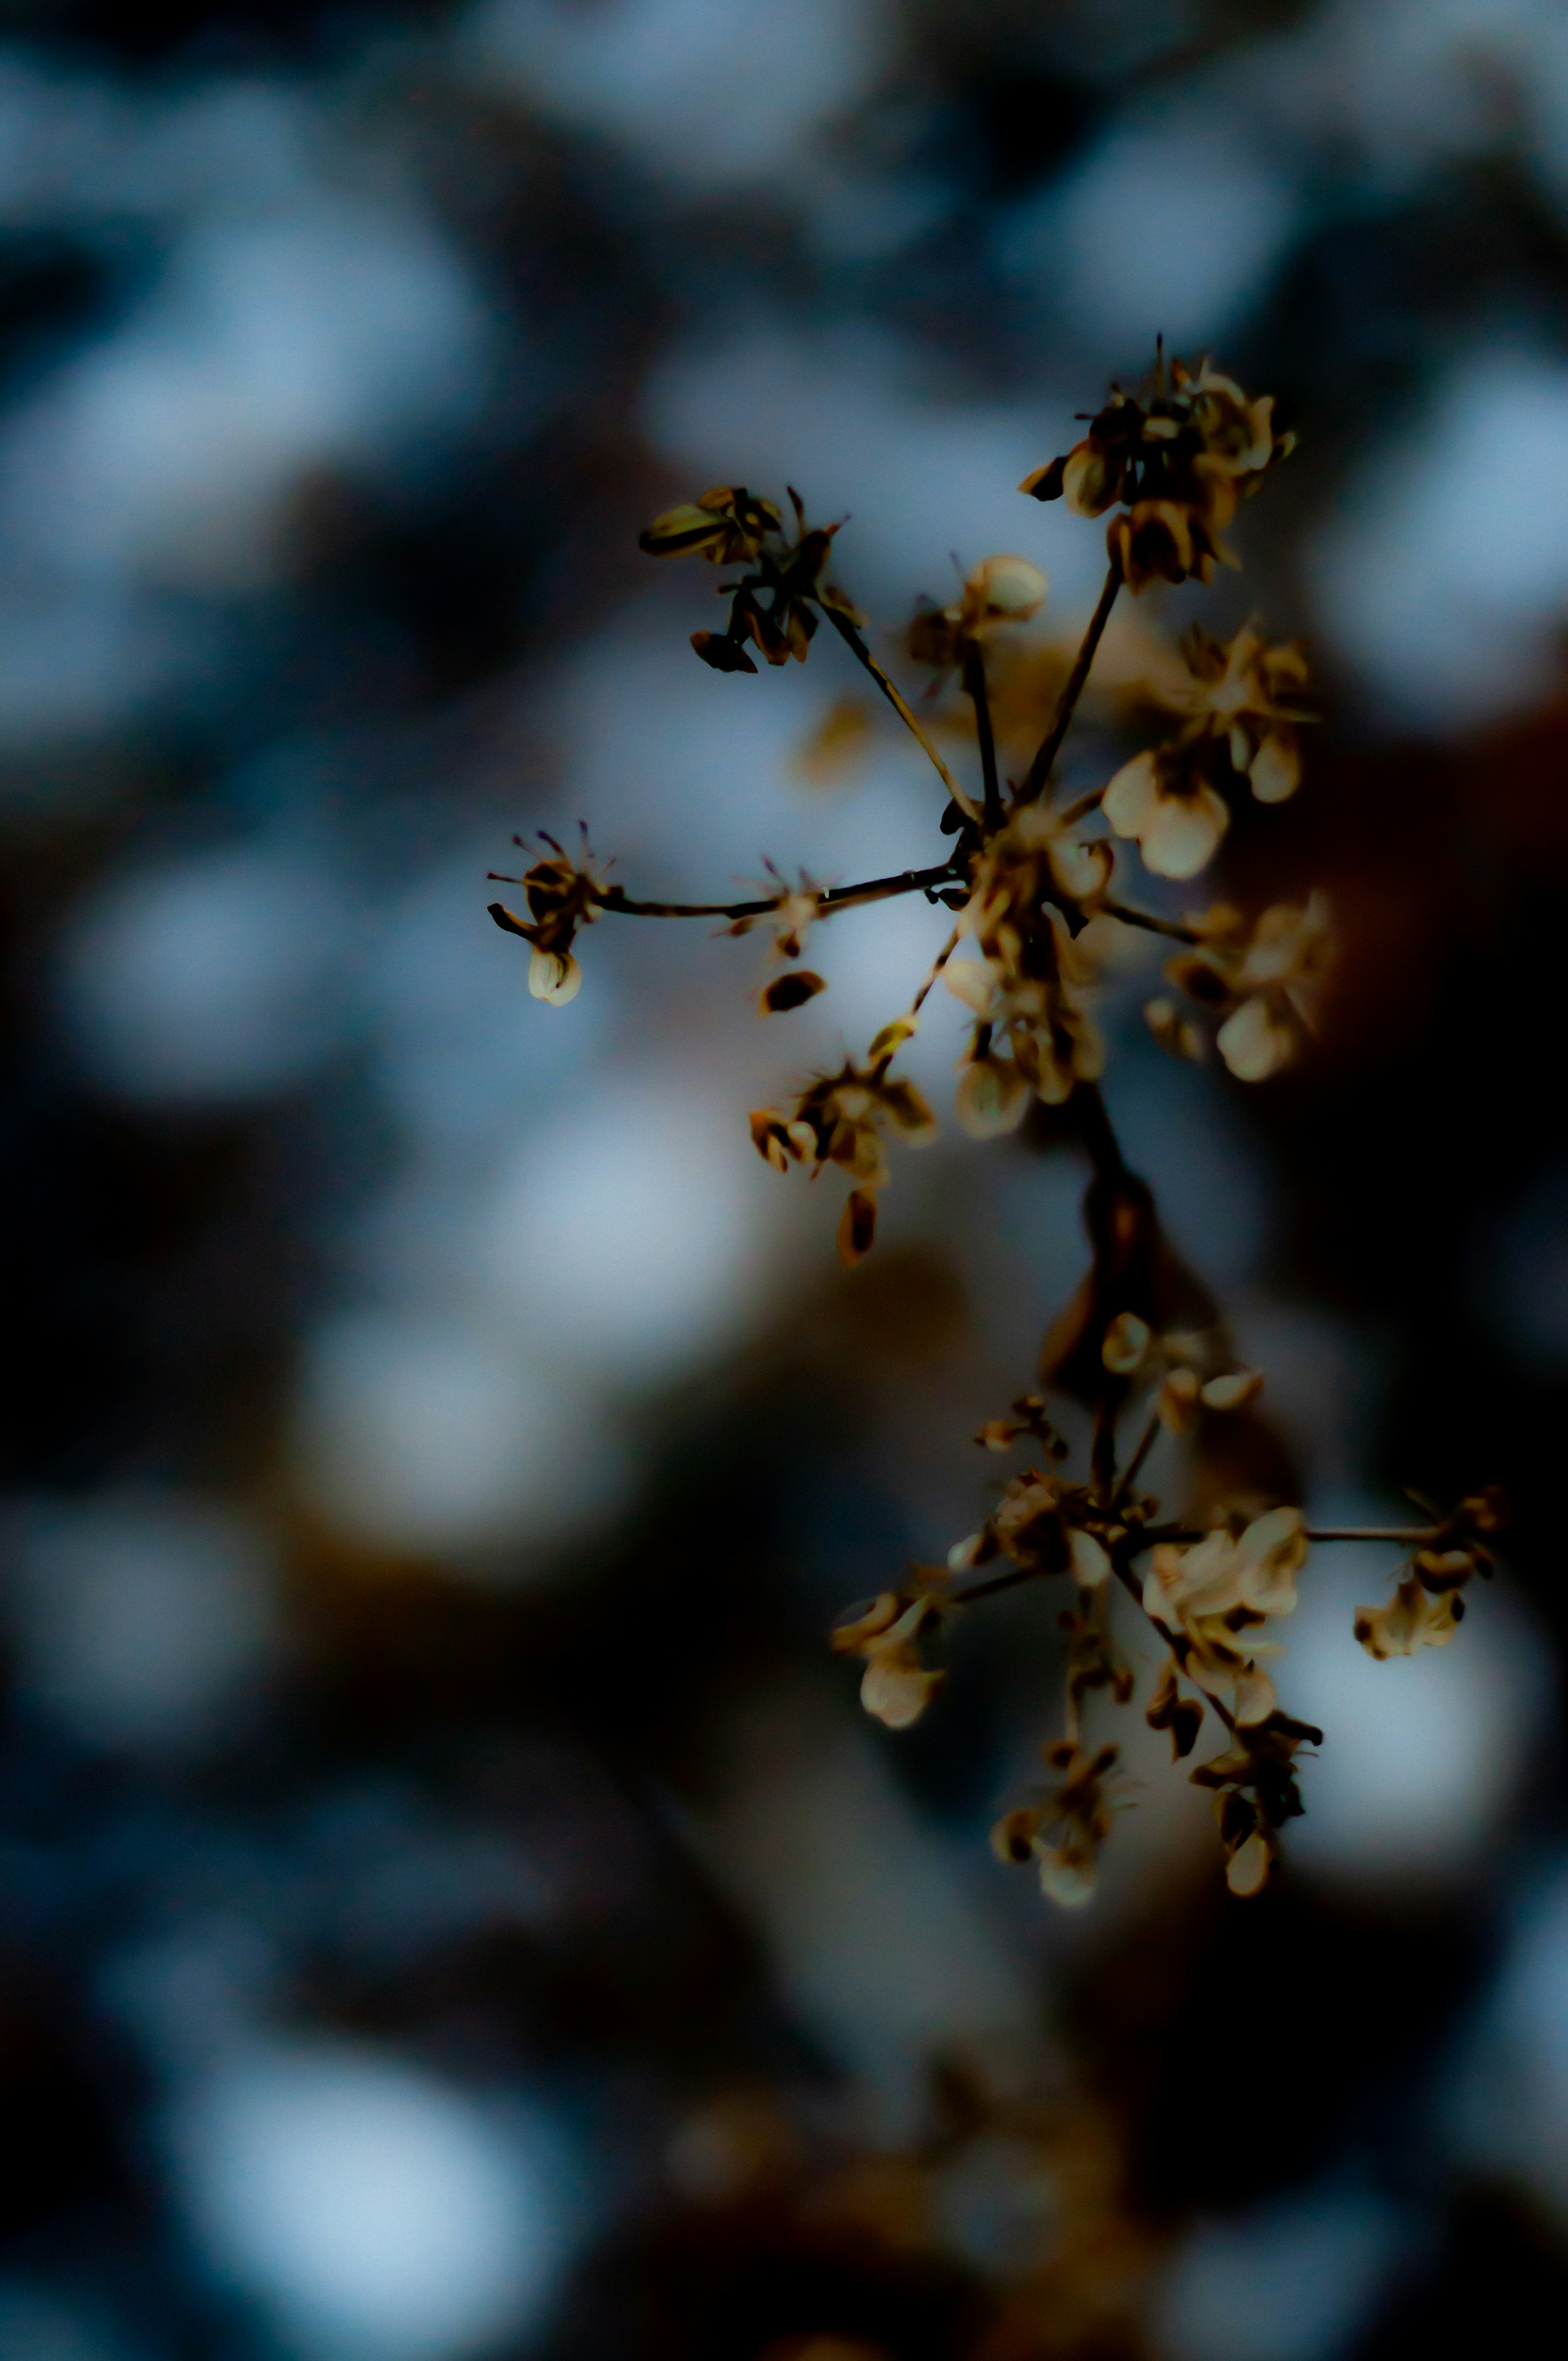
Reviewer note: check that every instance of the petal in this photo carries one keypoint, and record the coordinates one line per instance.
(1069, 1883)
(1255, 1696)
(1276, 772)
(1235, 1390)
(1132, 796)
(554, 977)
(1253, 1041)
(1090, 1565)
(1246, 1872)
(1185, 833)
(991, 1098)
(1125, 1344)
(975, 982)
(896, 1690)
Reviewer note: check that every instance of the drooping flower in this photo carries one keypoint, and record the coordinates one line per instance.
(1257, 1793)
(563, 894)
(895, 1687)
(1267, 981)
(843, 1119)
(1064, 1830)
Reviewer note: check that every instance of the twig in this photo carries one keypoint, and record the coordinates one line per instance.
(1150, 924)
(979, 696)
(836, 897)
(863, 655)
(1040, 768)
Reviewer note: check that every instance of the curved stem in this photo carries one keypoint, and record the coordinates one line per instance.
(1040, 768)
(863, 655)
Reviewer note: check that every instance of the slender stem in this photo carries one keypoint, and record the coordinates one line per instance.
(938, 964)
(1129, 1582)
(1102, 1453)
(836, 897)
(979, 696)
(863, 655)
(1083, 807)
(1146, 1442)
(1374, 1532)
(1098, 1135)
(1040, 768)
(1150, 924)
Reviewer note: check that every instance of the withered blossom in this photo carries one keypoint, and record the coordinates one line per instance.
(1183, 1365)
(1249, 692)
(1000, 590)
(1024, 882)
(1166, 802)
(1175, 459)
(1210, 1600)
(563, 894)
(895, 1687)
(1267, 981)
(1064, 1830)
(1427, 1605)
(841, 1119)
(1168, 799)
(1256, 1795)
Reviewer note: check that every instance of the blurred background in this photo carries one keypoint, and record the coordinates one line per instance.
(450, 1902)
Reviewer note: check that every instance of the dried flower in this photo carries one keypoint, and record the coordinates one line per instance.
(1426, 1606)
(1064, 1830)
(1248, 692)
(1268, 982)
(841, 1119)
(563, 894)
(1209, 1600)
(1000, 590)
(895, 1687)
(1178, 459)
(727, 525)
(1257, 1793)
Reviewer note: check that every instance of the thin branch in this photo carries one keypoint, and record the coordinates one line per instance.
(1040, 768)
(1146, 1442)
(1413, 1534)
(1081, 809)
(836, 897)
(863, 655)
(1150, 924)
(979, 696)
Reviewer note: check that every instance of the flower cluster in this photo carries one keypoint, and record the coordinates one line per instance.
(774, 605)
(1428, 1604)
(1211, 1601)
(1023, 873)
(1176, 460)
(1263, 981)
(843, 1119)
(1032, 1032)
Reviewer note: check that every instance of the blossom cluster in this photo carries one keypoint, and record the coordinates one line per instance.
(1026, 873)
